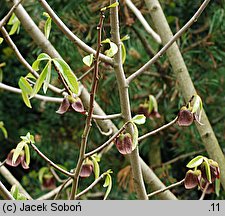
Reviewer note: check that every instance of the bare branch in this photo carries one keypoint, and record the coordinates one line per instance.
(7, 16)
(170, 42)
(166, 188)
(157, 130)
(5, 193)
(70, 34)
(143, 21)
(51, 163)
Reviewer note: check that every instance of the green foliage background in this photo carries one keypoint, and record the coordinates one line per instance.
(59, 136)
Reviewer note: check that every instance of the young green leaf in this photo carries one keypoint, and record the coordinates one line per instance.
(67, 74)
(207, 169)
(48, 78)
(135, 136)
(27, 154)
(1, 40)
(96, 167)
(108, 184)
(113, 48)
(197, 104)
(124, 53)
(113, 5)
(4, 131)
(41, 57)
(26, 91)
(14, 191)
(25, 86)
(139, 119)
(40, 80)
(88, 59)
(1, 75)
(217, 187)
(153, 105)
(17, 151)
(15, 23)
(41, 173)
(195, 162)
(48, 25)
(124, 38)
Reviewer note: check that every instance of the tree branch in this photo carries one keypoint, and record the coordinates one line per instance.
(166, 188)
(5, 193)
(51, 162)
(170, 42)
(87, 128)
(157, 130)
(70, 34)
(143, 21)
(124, 101)
(7, 16)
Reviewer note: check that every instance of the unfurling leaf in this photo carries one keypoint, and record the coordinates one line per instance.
(15, 23)
(88, 59)
(40, 80)
(48, 25)
(207, 169)
(135, 136)
(195, 162)
(26, 91)
(41, 57)
(96, 167)
(1, 40)
(4, 131)
(108, 184)
(27, 154)
(196, 104)
(124, 53)
(139, 119)
(153, 105)
(113, 48)
(67, 74)
(48, 78)
(41, 173)
(18, 151)
(110, 6)
(217, 187)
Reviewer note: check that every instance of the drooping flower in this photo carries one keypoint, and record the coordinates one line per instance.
(71, 103)
(48, 182)
(124, 143)
(185, 117)
(192, 179)
(20, 160)
(86, 169)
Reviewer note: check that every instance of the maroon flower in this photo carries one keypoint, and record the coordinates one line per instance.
(49, 182)
(214, 170)
(86, 169)
(72, 103)
(124, 143)
(144, 109)
(192, 179)
(20, 160)
(185, 117)
(210, 187)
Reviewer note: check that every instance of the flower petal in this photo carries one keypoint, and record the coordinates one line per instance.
(78, 106)
(185, 118)
(64, 106)
(124, 143)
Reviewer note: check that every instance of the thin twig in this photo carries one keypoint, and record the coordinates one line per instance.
(37, 96)
(70, 34)
(2, 163)
(166, 188)
(157, 130)
(178, 158)
(204, 191)
(106, 117)
(56, 175)
(7, 16)
(5, 193)
(143, 21)
(90, 111)
(22, 60)
(170, 42)
(55, 191)
(86, 73)
(90, 186)
(51, 162)
(62, 187)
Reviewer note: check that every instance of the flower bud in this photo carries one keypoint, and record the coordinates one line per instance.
(86, 169)
(192, 179)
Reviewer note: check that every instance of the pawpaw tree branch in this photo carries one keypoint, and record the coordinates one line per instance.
(184, 81)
